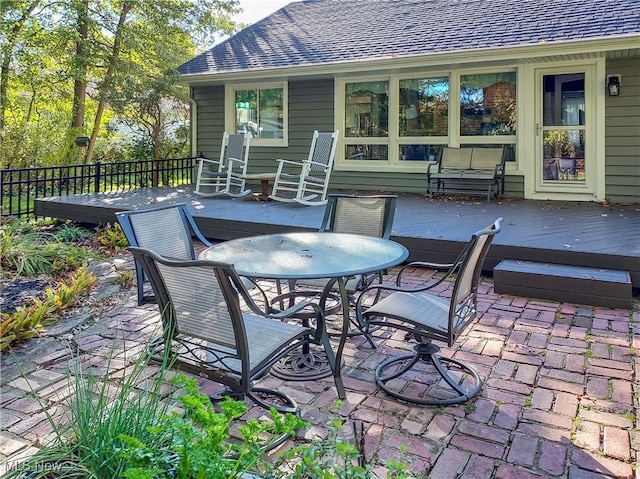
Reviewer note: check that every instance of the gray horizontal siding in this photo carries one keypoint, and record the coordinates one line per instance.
(622, 146)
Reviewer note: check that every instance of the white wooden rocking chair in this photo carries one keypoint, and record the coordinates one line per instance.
(225, 176)
(311, 183)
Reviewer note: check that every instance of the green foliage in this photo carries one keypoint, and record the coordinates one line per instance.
(30, 321)
(128, 53)
(112, 238)
(331, 458)
(27, 251)
(101, 410)
(70, 233)
(196, 443)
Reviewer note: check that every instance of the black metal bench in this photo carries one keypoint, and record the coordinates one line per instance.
(472, 171)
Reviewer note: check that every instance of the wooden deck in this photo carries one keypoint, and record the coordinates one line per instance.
(577, 234)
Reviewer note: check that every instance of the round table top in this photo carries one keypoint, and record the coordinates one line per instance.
(307, 255)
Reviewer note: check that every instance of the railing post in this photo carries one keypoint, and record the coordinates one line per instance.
(96, 178)
(155, 169)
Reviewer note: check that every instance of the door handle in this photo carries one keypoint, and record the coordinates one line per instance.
(538, 128)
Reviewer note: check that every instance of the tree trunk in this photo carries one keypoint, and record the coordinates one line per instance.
(106, 84)
(7, 52)
(81, 60)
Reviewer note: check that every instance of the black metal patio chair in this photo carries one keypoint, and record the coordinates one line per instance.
(207, 333)
(425, 377)
(369, 215)
(166, 230)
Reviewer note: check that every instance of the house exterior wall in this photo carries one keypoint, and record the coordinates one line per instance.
(311, 107)
(622, 133)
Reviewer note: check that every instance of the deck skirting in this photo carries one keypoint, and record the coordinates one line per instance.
(558, 282)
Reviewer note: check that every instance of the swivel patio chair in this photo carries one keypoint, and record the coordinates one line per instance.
(310, 185)
(167, 230)
(428, 317)
(225, 176)
(206, 333)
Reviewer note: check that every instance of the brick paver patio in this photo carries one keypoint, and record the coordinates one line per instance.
(560, 398)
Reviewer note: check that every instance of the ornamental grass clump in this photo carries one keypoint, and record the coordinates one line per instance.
(28, 251)
(135, 423)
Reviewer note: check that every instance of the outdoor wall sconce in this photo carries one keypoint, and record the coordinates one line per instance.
(613, 85)
(82, 141)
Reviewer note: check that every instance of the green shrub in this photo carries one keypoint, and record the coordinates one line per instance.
(30, 321)
(112, 238)
(27, 251)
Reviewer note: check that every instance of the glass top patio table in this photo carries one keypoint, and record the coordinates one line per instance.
(296, 256)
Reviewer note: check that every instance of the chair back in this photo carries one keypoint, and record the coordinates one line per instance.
(199, 299)
(235, 151)
(364, 215)
(164, 230)
(469, 264)
(167, 230)
(322, 152)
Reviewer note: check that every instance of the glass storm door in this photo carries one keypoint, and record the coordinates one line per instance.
(562, 134)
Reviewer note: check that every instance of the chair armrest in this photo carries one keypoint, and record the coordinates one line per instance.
(239, 161)
(435, 165)
(290, 162)
(450, 268)
(208, 160)
(324, 167)
(296, 308)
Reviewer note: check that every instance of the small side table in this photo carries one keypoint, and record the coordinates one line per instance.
(264, 185)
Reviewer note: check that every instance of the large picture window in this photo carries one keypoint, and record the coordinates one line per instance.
(424, 107)
(260, 112)
(403, 121)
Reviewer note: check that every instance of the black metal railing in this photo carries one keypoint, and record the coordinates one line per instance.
(21, 186)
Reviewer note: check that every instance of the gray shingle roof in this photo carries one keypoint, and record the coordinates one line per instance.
(316, 32)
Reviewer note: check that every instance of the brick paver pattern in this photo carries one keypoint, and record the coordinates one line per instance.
(560, 398)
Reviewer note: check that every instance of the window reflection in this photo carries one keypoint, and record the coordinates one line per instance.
(488, 104)
(259, 112)
(367, 109)
(424, 107)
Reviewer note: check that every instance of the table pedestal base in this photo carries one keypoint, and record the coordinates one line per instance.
(303, 366)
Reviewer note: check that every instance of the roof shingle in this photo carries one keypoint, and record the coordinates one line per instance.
(314, 32)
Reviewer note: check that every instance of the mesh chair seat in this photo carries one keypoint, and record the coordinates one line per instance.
(421, 310)
(263, 337)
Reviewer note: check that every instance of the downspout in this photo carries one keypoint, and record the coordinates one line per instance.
(193, 123)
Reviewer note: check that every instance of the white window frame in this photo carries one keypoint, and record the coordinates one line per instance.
(230, 110)
(454, 139)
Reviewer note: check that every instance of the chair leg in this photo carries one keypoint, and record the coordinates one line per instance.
(457, 389)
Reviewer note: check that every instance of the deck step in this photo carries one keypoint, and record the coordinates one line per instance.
(559, 282)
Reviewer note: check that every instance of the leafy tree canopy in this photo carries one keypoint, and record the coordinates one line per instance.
(104, 69)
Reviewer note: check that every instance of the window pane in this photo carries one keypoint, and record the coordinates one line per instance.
(367, 109)
(367, 152)
(270, 113)
(424, 107)
(488, 104)
(564, 155)
(246, 112)
(419, 152)
(564, 100)
(259, 113)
